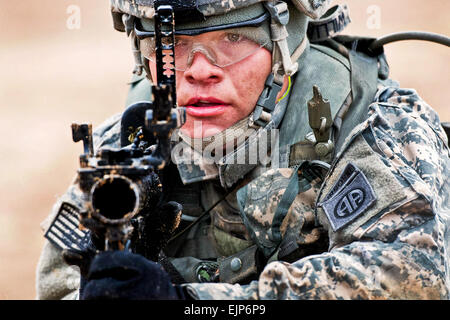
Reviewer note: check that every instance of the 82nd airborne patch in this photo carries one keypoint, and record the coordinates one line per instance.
(349, 197)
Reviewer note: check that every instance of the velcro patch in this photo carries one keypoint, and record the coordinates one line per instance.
(64, 232)
(349, 197)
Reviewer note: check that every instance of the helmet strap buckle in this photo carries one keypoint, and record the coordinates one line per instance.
(266, 102)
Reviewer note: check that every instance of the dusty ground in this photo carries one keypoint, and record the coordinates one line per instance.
(51, 76)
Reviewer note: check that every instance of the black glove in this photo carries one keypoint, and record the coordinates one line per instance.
(128, 276)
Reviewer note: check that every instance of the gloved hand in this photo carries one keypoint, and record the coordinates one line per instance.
(83, 258)
(128, 276)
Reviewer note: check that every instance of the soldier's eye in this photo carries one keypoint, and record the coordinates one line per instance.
(233, 37)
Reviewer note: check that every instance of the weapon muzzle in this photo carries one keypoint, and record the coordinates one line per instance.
(115, 199)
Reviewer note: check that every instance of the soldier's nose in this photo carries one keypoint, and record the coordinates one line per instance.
(202, 70)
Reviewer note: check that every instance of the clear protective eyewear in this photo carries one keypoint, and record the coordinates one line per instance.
(223, 47)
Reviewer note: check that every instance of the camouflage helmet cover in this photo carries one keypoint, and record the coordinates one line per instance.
(145, 8)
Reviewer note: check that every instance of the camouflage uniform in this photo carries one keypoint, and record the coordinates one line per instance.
(391, 243)
(396, 250)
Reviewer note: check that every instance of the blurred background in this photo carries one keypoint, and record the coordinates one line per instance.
(62, 62)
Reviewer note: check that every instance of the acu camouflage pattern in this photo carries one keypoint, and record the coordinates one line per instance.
(262, 198)
(400, 250)
(145, 9)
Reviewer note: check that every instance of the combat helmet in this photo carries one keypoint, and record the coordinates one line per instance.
(289, 19)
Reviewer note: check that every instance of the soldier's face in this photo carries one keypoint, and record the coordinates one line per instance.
(217, 97)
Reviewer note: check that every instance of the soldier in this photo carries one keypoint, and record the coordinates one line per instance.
(352, 201)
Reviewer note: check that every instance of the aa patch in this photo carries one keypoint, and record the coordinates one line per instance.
(349, 197)
(64, 232)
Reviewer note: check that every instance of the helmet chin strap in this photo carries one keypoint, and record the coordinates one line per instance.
(283, 64)
(138, 57)
(139, 64)
(280, 56)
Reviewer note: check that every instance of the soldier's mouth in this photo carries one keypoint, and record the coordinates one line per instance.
(205, 107)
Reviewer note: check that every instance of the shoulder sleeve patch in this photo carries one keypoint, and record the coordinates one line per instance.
(350, 196)
(64, 232)
(358, 192)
